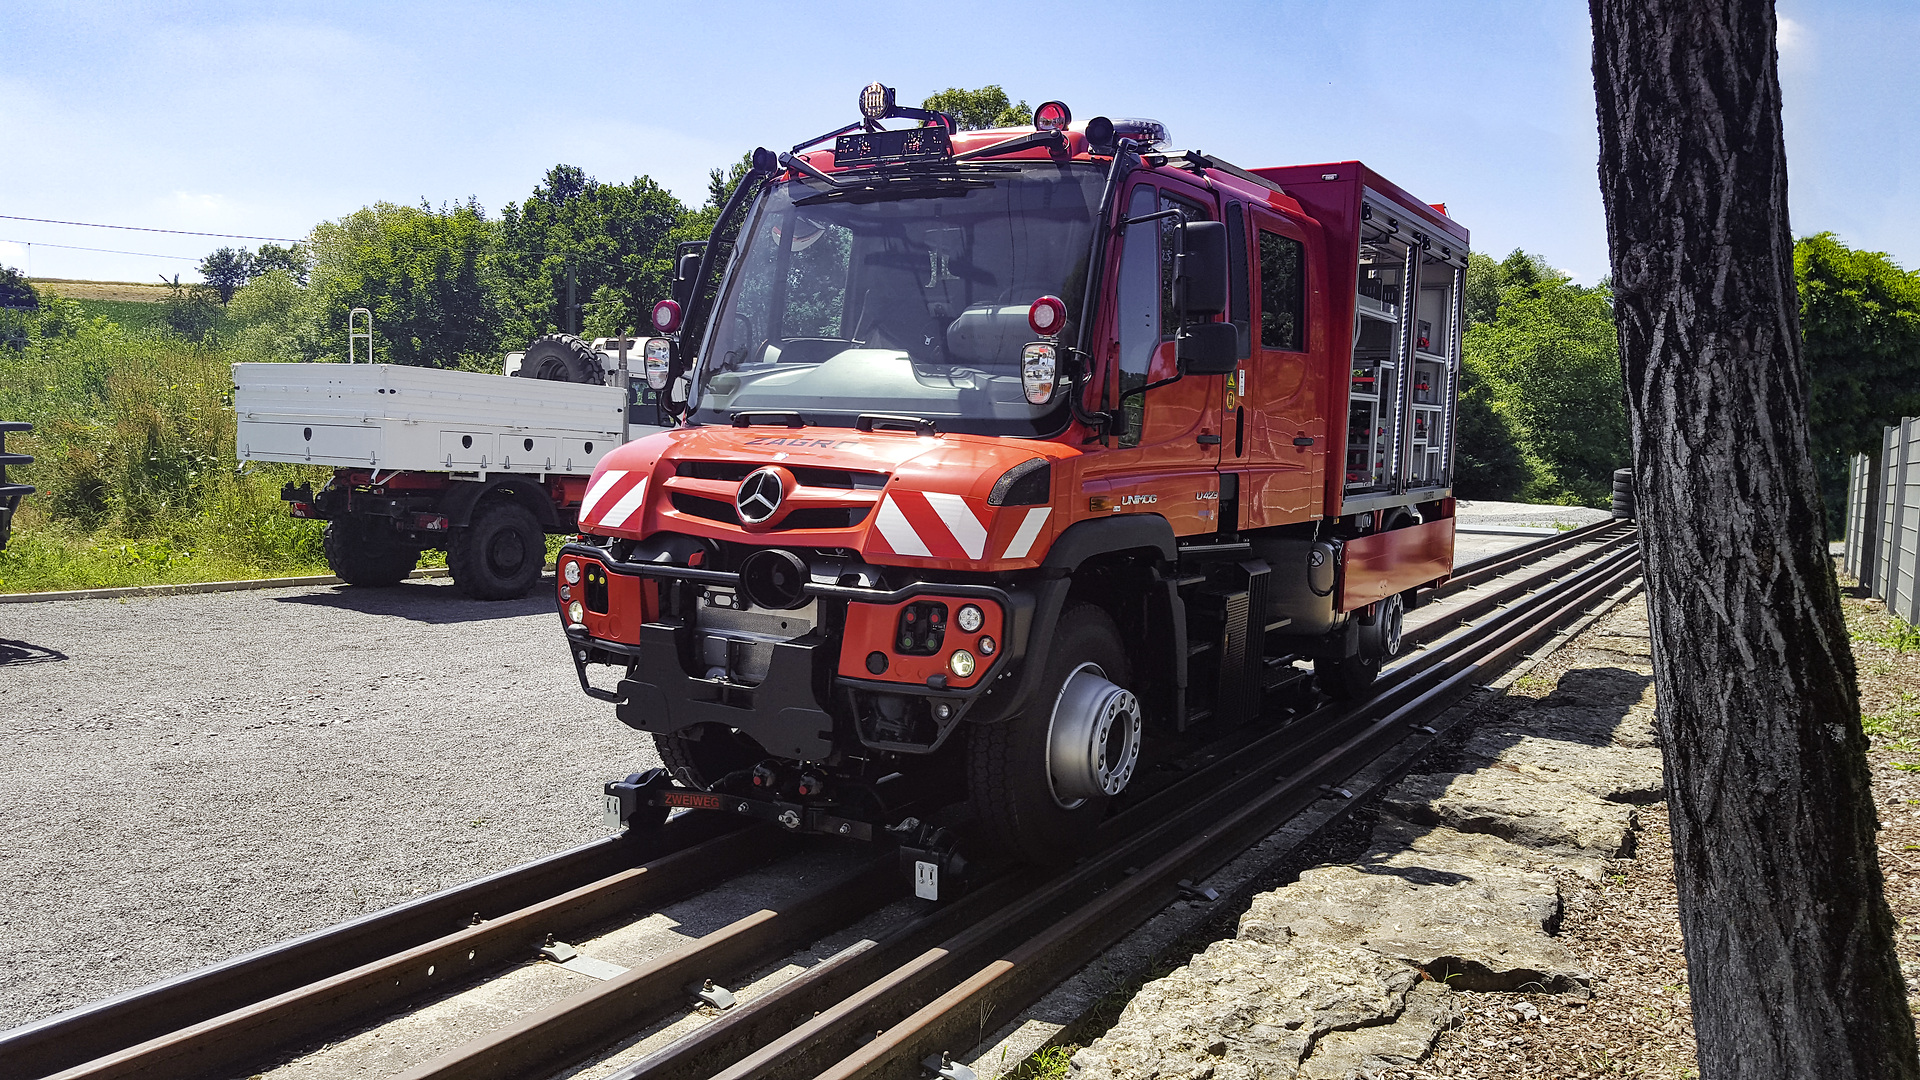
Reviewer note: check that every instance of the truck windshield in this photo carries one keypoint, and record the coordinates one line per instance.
(910, 302)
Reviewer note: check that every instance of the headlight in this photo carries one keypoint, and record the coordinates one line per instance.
(578, 614)
(971, 618)
(961, 663)
(572, 570)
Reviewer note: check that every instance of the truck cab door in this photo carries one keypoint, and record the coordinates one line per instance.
(1275, 407)
(1164, 452)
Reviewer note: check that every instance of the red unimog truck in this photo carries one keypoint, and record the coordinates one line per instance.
(1003, 453)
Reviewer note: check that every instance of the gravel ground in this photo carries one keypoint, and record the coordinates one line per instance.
(1508, 514)
(187, 778)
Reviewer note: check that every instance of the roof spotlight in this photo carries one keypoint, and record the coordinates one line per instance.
(1052, 116)
(876, 102)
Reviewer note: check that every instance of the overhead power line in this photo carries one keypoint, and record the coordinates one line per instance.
(106, 251)
(142, 228)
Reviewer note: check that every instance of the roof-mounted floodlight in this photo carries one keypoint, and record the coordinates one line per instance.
(876, 102)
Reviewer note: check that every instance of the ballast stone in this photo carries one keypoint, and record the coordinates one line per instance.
(1246, 1009)
(1517, 808)
(1476, 925)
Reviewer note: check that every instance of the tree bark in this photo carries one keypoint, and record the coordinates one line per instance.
(1789, 940)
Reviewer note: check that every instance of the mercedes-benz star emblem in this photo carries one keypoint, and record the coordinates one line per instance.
(759, 496)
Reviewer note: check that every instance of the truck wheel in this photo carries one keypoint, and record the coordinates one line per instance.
(361, 555)
(1039, 782)
(701, 761)
(499, 555)
(1352, 676)
(561, 358)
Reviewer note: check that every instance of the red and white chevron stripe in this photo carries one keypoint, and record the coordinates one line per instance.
(935, 524)
(613, 496)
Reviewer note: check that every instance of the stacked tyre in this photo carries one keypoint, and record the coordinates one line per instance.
(1623, 504)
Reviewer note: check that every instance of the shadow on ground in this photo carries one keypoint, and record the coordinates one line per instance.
(17, 653)
(435, 604)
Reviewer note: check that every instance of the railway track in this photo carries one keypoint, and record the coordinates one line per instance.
(890, 1004)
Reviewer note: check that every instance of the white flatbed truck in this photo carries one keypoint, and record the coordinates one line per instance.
(480, 465)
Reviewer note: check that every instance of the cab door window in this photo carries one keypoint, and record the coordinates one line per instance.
(1145, 311)
(1283, 293)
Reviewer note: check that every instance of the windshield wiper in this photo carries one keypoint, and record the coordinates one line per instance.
(889, 422)
(744, 418)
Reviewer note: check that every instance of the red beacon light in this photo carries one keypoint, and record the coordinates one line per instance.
(666, 317)
(1052, 116)
(1047, 315)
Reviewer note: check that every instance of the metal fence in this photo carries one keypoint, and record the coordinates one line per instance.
(1883, 521)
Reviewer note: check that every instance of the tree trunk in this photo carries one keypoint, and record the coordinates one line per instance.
(1789, 940)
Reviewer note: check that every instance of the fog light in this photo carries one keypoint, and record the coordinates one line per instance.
(961, 663)
(970, 619)
(578, 614)
(942, 711)
(572, 571)
(987, 646)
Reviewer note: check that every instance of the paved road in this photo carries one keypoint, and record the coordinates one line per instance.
(186, 778)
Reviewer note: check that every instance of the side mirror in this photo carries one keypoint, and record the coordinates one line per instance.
(1200, 283)
(683, 272)
(1208, 348)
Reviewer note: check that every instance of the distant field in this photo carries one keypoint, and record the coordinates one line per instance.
(123, 291)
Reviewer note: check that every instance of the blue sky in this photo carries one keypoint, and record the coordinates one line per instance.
(266, 118)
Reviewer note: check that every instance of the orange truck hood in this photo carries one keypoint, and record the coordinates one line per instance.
(896, 498)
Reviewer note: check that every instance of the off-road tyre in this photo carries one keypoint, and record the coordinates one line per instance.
(498, 556)
(702, 762)
(1008, 789)
(561, 358)
(360, 555)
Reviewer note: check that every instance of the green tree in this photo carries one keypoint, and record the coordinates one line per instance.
(291, 259)
(1548, 353)
(987, 107)
(1860, 316)
(16, 291)
(191, 310)
(226, 269)
(425, 274)
(1489, 464)
(616, 238)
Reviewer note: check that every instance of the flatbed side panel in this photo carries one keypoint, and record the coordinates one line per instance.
(1375, 567)
(391, 416)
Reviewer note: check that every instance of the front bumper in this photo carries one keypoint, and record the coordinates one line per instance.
(803, 708)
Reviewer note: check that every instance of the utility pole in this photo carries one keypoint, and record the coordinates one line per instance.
(572, 320)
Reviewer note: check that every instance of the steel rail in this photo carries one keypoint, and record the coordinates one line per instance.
(789, 1050)
(1002, 988)
(253, 1031)
(1468, 575)
(573, 1028)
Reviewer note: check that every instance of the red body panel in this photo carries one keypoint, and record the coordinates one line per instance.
(870, 628)
(1377, 566)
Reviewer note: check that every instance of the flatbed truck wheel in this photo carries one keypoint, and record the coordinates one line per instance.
(359, 554)
(499, 554)
(1039, 782)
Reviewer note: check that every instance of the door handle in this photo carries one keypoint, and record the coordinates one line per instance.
(1304, 440)
(1209, 440)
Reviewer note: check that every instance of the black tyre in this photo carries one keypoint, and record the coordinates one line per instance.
(561, 358)
(1623, 501)
(1349, 677)
(700, 756)
(499, 555)
(362, 554)
(1016, 798)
